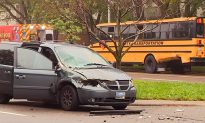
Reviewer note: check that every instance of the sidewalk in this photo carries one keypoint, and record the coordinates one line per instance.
(167, 103)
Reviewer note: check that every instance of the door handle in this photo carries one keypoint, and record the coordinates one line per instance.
(20, 76)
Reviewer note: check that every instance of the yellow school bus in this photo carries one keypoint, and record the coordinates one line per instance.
(173, 44)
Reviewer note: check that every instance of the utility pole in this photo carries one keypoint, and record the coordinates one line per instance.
(108, 12)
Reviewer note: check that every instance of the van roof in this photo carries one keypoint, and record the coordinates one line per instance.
(45, 44)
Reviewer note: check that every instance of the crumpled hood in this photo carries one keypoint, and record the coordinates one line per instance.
(103, 74)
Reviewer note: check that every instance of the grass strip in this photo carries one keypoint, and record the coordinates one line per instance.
(149, 90)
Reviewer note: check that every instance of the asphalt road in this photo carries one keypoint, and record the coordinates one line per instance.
(167, 77)
(28, 112)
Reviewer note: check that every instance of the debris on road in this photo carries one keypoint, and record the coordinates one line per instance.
(115, 112)
(180, 110)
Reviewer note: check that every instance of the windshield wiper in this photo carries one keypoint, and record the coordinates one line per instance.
(89, 64)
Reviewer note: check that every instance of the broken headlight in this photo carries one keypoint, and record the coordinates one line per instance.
(93, 83)
(131, 84)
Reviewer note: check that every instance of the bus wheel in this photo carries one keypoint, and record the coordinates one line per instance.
(150, 64)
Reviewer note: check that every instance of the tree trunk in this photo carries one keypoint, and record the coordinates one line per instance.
(138, 9)
(118, 62)
(187, 10)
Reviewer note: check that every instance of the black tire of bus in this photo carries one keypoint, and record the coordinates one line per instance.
(4, 99)
(150, 64)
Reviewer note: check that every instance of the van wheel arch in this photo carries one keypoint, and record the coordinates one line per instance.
(65, 84)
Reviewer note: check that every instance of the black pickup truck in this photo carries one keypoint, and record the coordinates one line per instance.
(62, 73)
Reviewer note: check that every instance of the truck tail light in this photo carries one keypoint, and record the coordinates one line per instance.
(199, 42)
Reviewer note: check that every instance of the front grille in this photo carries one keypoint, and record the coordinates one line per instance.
(117, 85)
(123, 82)
(113, 87)
(124, 87)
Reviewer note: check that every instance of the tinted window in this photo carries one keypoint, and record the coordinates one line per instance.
(6, 57)
(111, 29)
(30, 59)
(200, 30)
(164, 31)
(156, 31)
(180, 30)
(126, 31)
(49, 37)
(7, 53)
(148, 33)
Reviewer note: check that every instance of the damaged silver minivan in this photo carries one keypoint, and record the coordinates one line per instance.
(68, 74)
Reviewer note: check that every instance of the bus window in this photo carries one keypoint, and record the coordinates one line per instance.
(133, 31)
(179, 30)
(156, 31)
(148, 33)
(101, 35)
(105, 29)
(164, 31)
(172, 28)
(191, 29)
(111, 29)
(111, 32)
(126, 31)
(183, 29)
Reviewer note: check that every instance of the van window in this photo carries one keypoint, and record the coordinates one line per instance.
(6, 54)
(6, 57)
(30, 59)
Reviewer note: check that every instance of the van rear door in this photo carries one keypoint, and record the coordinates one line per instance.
(6, 79)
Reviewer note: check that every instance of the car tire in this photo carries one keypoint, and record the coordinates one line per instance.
(4, 99)
(120, 107)
(150, 64)
(68, 98)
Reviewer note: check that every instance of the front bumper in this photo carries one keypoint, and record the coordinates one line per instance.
(104, 97)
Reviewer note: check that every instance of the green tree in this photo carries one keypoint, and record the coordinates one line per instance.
(23, 11)
(60, 15)
(191, 7)
(121, 8)
(69, 28)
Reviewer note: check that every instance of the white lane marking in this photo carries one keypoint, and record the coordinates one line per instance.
(10, 113)
(162, 79)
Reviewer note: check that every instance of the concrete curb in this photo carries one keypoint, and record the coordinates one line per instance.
(167, 103)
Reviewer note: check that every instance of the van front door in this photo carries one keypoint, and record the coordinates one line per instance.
(6, 78)
(33, 75)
